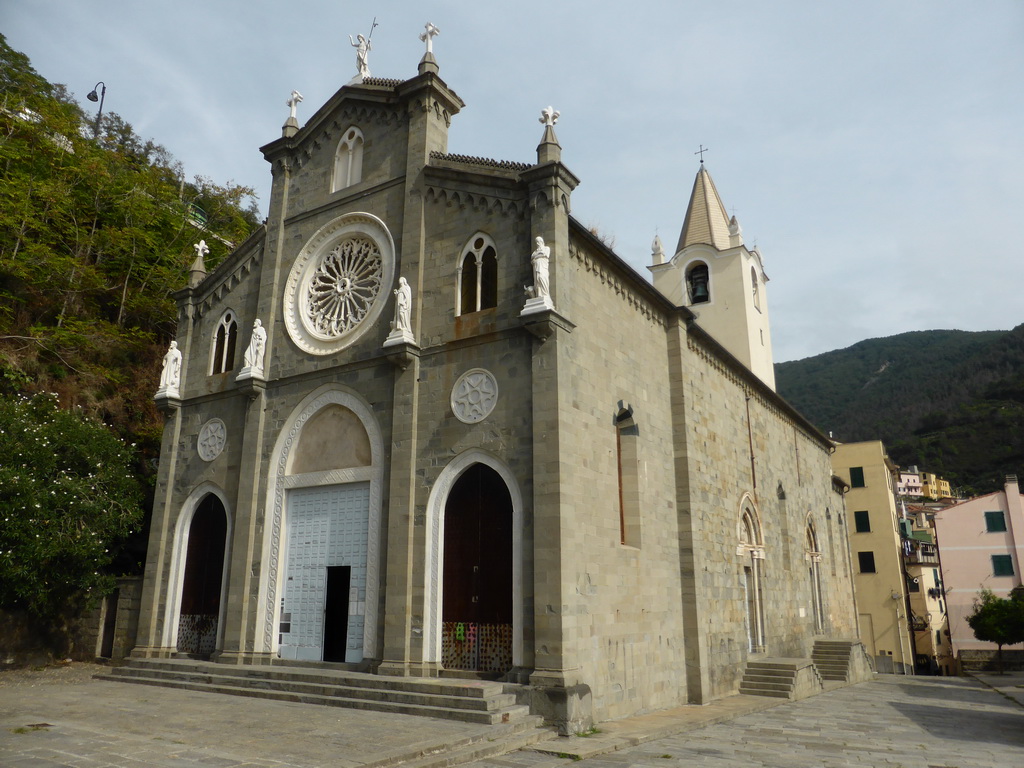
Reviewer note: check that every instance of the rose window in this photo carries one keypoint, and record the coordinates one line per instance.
(342, 289)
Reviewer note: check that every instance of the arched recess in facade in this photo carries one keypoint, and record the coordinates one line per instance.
(194, 614)
(751, 552)
(812, 554)
(436, 506)
(340, 548)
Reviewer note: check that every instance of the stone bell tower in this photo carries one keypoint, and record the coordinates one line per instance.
(719, 279)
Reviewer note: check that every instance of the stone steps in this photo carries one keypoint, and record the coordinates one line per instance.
(467, 701)
(768, 678)
(832, 658)
(780, 678)
(481, 748)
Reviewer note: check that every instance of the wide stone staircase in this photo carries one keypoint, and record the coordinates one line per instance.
(832, 658)
(781, 678)
(473, 701)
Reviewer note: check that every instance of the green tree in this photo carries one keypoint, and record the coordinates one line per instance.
(998, 620)
(68, 501)
(96, 234)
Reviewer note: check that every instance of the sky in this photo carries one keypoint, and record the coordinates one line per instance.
(872, 150)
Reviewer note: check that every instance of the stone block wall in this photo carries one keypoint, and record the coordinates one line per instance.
(622, 622)
(742, 443)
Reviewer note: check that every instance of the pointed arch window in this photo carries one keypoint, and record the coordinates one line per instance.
(225, 337)
(348, 160)
(756, 290)
(751, 550)
(477, 276)
(697, 283)
(813, 557)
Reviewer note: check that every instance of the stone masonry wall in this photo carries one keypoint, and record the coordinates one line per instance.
(623, 624)
(741, 442)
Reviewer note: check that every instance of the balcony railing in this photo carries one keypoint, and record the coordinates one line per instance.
(921, 554)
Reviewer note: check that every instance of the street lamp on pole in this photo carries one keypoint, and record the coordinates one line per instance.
(91, 96)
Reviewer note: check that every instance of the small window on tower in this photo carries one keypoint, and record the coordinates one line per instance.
(224, 340)
(697, 284)
(477, 276)
(348, 160)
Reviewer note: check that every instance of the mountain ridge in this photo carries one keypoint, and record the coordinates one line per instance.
(950, 401)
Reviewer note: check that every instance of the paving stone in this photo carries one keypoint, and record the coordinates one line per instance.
(891, 721)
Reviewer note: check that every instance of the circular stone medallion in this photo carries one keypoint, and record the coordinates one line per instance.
(474, 396)
(212, 437)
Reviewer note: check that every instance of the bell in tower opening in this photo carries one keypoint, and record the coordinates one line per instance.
(697, 284)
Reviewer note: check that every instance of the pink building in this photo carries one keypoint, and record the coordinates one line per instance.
(981, 545)
(909, 483)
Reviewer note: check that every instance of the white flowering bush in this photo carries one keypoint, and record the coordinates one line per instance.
(68, 499)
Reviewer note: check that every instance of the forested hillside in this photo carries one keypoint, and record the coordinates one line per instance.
(950, 401)
(95, 235)
(97, 227)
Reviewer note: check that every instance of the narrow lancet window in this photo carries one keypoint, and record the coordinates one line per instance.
(477, 276)
(222, 357)
(348, 161)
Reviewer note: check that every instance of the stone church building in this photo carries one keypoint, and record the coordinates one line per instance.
(466, 438)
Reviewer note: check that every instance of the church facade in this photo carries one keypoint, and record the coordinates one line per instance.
(425, 422)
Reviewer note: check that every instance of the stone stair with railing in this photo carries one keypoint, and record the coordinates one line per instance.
(832, 658)
(781, 678)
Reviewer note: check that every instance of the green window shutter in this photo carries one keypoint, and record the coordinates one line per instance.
(1002, 565)
(995, 522)
(856, 477)
(862, 521)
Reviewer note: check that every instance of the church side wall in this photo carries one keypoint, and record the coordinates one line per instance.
(623, 625)
(740, 443)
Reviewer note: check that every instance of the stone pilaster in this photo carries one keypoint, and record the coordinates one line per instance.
(691, 552)
(403, 591)
(243, 595)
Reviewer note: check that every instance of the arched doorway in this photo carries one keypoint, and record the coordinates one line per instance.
(203, 579)
(329, 577)
(477, 605)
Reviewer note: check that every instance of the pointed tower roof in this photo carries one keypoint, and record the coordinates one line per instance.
(706, 220)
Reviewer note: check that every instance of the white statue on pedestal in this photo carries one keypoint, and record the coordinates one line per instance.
(403, 305)
(252, 359)
(539, 258)
(539, 294)
(170, 376)
(401, 328)
(363, 48)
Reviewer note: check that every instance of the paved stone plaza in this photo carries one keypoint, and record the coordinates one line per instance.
(891, 721)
